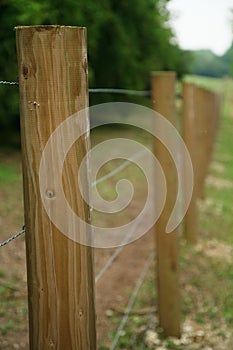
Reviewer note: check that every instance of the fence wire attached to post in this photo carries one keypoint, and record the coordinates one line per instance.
(98, 90)
(13, 237)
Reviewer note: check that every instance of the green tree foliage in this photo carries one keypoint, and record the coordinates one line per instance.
(126, 40)
(205, 62)
(227, 59)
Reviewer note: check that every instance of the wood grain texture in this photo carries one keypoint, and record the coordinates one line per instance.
(52, 65)
(189, 136)
(163, 97)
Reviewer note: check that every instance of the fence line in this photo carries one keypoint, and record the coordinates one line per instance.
(132, 300)
(164, 247)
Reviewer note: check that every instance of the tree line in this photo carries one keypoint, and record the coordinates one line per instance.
(126, 40)
(205, 62)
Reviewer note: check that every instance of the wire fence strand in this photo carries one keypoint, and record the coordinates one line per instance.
(121, 91)
(13, 237)
(4, 82)
(118, 169)
(119, 249)
(132, 300)
(134, 227)
(124, 241)
(99, 90)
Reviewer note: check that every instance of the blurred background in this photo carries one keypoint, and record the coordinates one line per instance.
(125, 43)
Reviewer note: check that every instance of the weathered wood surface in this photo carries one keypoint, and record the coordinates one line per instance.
(163, 97)
(52, 64)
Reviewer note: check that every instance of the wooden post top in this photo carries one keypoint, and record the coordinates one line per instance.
(163, 73)
(47, 27)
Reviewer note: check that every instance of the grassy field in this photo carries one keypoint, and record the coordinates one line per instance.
(206, 270)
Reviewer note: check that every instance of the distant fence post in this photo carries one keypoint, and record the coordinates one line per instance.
(163, 98)
(189, 136)
(199, 138)
(217, 115)
(207, 112)
(53, 85)
(214, 118)
(202, 135)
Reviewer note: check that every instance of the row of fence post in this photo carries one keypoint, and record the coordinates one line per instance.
(201, 111)
(52, 68)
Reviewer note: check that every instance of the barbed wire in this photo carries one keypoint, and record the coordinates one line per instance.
(13, 237)
(4, 82)
(132, 300)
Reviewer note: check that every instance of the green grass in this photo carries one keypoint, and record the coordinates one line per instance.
(8, 173)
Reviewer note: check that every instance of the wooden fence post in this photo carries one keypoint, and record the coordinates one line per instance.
(163, 97)
(207, 114)
(215, 113)
(201, 136)
(53, 85)
(218, 108)
(189, 136)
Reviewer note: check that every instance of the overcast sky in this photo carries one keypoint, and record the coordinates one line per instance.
(201, 24)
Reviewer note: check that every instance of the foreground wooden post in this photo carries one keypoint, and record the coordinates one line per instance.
(189, 136)
(53, 85)
(163, 97)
